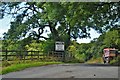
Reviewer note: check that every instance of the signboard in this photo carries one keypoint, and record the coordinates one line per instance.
(59, 46)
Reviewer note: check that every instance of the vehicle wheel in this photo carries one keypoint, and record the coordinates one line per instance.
(107, 60)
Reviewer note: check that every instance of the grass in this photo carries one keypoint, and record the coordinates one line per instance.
(115, 61)
(97, 60)
(21, 66)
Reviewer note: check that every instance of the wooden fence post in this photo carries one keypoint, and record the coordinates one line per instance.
(43, 57)
(6, 54)
(24, 56)
(38, 55)
(31, 56)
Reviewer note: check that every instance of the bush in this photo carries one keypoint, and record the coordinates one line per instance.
(115, 61)
(49, 46)
(78, 57)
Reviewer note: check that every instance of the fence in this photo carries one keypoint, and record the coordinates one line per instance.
(11, 55)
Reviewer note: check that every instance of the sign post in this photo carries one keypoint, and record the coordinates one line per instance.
(59, 47)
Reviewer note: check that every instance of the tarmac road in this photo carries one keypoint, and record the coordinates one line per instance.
(67, 71)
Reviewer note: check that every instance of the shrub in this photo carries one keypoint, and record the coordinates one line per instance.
(115, 61)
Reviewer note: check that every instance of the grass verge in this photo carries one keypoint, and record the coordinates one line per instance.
(21, 66)
(115, 61)
(97, 60)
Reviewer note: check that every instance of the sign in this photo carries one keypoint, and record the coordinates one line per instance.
(106, 53)
(59, 46)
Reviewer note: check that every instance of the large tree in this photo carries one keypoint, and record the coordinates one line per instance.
(66, 20)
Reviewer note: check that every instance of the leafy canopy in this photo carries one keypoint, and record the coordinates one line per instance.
(65, 20)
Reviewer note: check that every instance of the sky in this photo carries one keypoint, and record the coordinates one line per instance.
(5, 25)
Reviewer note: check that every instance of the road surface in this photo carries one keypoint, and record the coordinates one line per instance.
(67, 71)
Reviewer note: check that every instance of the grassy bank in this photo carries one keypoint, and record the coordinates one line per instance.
(21, 66)
(97, 60)
(115, 61)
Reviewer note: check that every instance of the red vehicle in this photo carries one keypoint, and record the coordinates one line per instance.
(109, 54)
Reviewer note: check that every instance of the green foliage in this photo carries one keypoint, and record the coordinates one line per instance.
(80, 57)
(10, 44)
(81, 52)
(35, 46)
(66, 21)
(94, 49)
(95, 60)
(74, 19)
(0, 44)
(49, 46)
(112, 39)
(115, 61)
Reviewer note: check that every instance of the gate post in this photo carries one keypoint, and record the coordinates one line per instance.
(63, 56)
(6, 54)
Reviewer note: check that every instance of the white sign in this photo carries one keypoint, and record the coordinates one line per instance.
(107, 53)
(59, 46)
